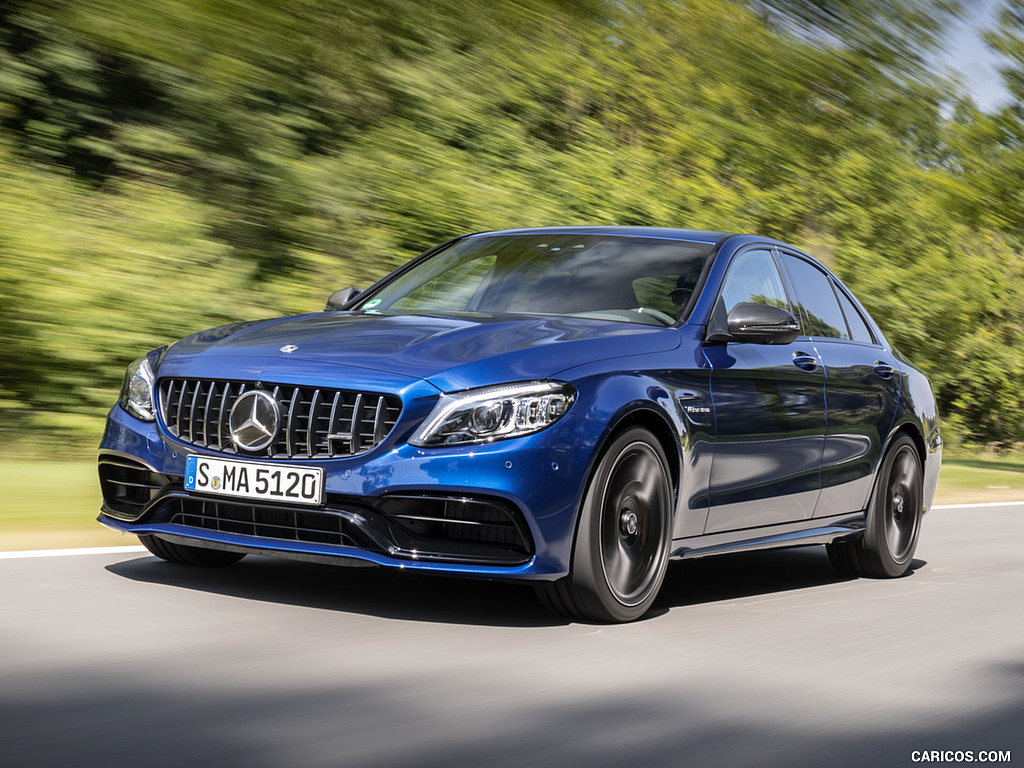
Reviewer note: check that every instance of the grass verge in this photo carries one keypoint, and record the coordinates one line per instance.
(53, 504)
(981, 479)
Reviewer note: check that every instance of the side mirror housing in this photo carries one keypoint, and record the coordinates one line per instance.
(340, 298)
(755, 324)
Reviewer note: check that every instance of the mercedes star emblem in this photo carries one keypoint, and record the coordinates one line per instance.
(254, 420)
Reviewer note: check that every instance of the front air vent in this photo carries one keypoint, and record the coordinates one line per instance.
(315, 423)
(453, 523)
(128, 485)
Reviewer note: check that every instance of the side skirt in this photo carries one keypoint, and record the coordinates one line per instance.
(820, 530)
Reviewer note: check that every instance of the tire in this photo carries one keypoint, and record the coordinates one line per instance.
(185, 555)
(623, 535)
(893, 522)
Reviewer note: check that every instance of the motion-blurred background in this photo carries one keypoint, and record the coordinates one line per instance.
(168, 165)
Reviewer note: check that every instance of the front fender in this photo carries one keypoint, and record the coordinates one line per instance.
(676, 407)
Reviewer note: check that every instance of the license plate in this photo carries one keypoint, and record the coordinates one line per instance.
(252, 480)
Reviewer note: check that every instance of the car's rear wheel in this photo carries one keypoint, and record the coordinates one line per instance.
(186, 555)
(893, 524)
(623, 537)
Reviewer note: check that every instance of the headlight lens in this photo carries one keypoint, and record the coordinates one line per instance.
(495, 413)
(137, 390)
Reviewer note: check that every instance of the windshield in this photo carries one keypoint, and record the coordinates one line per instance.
(630, 279)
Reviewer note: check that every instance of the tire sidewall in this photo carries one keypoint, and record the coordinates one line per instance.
(876, 543)
(587, 571)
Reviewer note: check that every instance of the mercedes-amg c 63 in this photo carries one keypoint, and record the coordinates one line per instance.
(569, 407)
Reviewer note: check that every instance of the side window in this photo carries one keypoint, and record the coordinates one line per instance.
(754, 276)
(859, 329)
(816, 298)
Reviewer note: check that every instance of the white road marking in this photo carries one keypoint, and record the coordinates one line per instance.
(69, 552)
(977, 506)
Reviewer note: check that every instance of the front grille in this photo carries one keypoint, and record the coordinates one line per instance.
(128, 485)
(265, 522)
(315, 423)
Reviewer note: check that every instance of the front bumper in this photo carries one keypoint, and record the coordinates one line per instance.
(503, 510)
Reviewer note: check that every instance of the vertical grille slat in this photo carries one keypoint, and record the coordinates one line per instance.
(315, 422)
(181, 404)
(332, 421)
(378, 420)
(222, 415)
(353, 428)
(206, 414)
(311, 424)
(291, 425)
(192, 413)
(167, 403)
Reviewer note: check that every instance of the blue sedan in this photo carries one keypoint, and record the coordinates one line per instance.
(570, 407)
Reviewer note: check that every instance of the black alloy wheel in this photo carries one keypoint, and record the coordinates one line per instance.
(893, 524)
(623, 537)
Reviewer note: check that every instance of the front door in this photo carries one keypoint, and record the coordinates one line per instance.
(769, 403)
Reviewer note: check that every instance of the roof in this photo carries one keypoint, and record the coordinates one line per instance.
(667, 233)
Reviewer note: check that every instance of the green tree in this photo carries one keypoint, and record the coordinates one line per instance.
(174, 164)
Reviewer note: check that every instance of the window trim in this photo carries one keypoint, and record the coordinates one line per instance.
(833, 284)
(841, 291)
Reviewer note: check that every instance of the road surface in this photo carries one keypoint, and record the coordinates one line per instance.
(763, 659)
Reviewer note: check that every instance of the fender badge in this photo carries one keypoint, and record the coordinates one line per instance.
(288, 348)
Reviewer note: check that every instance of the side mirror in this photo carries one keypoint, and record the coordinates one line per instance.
(340, 298)
(756, 324)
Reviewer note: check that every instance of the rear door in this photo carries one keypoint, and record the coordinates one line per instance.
(862, 384)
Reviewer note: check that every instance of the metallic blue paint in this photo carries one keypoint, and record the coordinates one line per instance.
(760, 449)
(453, 353)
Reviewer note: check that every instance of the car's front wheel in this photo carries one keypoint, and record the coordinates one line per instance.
(893, 524)
(185, 555)
(623, 536)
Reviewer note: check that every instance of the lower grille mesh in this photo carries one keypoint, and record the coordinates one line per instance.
(265, 522)
(415, 527)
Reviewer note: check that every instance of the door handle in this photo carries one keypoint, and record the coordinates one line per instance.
(805, 362)
(884, 370)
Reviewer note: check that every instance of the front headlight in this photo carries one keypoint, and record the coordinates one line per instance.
(137, 390)
(494, 413)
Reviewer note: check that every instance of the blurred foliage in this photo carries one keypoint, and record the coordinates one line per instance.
(170, 165)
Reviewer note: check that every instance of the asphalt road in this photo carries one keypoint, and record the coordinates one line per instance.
(765, 659)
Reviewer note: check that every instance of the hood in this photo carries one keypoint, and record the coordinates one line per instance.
(451, 352)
